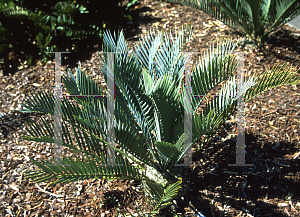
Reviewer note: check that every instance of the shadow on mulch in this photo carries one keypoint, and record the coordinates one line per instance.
(261, 190)
(286, 39)
(11, 122)
(113, 199)
(281, 41)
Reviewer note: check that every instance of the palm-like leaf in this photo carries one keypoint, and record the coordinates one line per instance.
(160, 195)
(253, 18)
(149, 110)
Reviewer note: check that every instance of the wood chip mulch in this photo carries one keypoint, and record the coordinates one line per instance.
(268, 188)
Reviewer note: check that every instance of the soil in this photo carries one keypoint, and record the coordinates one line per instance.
(268, 188)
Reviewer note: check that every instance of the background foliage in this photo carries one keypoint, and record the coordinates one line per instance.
(30, 28)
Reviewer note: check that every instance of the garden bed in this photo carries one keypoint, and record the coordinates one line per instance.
(269, 188)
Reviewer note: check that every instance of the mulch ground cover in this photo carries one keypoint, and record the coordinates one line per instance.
(268, 188)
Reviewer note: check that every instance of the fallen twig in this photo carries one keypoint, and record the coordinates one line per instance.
(47, 192)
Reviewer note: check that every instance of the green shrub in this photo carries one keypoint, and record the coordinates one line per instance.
(31, 28)
(149, 113)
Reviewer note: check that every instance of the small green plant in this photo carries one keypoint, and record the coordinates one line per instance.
(131, 3)
(255, 19)
(113, 199)
(149, 114)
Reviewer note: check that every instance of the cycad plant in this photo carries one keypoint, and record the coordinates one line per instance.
(255, 19)
(149, 113)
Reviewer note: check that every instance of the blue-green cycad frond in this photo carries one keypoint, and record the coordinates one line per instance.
(214, 66)
(160, 55)
(125, 64)
(282, 12)
(228, 94)
(148, 50)
(129, 90)
(222, 106)
(165, 103)
(41, 103)
(277, 76)
(159, 195)
(87, 168)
